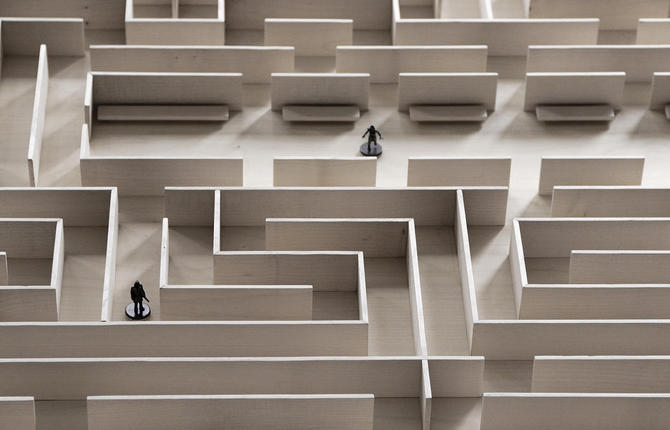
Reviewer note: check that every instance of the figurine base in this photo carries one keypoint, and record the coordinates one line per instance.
(373, 150)
(130, 312)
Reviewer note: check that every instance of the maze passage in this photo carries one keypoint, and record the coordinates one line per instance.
(317, 214)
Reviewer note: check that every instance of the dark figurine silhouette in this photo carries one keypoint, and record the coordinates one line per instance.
(137, 294)
(373, 148)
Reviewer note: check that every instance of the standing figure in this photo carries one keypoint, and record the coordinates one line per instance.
(137, 310)
(372, 148)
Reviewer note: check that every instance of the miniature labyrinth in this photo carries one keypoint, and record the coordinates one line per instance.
(503, 265)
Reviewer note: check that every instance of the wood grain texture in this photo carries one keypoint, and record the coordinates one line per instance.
(601, 374)
(163, 113)
(610, 201)
(39, 117)
(375, 237)
(613, 14)
(145, 176)
(313, 113)
(384, 63)
(639, 62)
(77, 207)
(574, 89)
(244, 412)
(256, 63)
(324, 270)
(76, 378)
(462, 113)
(447, 89)
(619, 267)
(17, 413)
(184, 339)
(606, 170)
(250, 14)
(24, 36)
(557, 237)
(455, 171)
(324, 172)
(310, 37)
(503, 37)
(595, 301)
(167, 88)
(660, 91)
(522, 340)
(525, 411)
(236, 303)
(653, 31)
(320, 89)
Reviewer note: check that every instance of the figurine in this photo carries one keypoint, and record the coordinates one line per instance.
(137, 310)
(372, 148)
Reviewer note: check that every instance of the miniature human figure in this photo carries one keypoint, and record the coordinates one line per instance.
(372, 148)
(137, 294)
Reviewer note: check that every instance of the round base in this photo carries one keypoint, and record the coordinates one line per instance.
(375, 150)
(130, 312)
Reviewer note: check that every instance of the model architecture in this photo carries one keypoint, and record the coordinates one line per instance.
(198, 229)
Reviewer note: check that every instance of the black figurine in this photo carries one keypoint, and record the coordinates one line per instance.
(137, 310)
(372, 148)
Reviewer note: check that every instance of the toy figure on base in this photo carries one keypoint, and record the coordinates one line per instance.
(138, 310)
(372, 148)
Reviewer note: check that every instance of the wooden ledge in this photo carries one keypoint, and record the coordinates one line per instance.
(315, 113)
(448, 113)
(560, 113)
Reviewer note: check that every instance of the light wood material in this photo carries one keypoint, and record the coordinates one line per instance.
(375, 237)
(660, 91)
(574, 89)
(526, 411)
(465, 269)
(17, 413)
(653, 31)
(236, 303)
(128, 88)
(324, 172)
(601, 374)
(556, 171)
(173, 30)
(522, 340)
(325, 271)
(311, 113)
(148, 176)
(24, 36)
(639, 62)
(504, 37)
(4, 269)
(250, 14)
(244, 412)
(75, 378)
(557, 237)
(427, 206)
(163, 113)
(320, 89)
(181, 339)
(610, 202)
(256, 63)
(384, 63)
(310, 37)
(455, 172)
(613, 14)
(38, 118)
(574, 113)
(464, 113)
(447, 89)
(619, 267)
(27, 238)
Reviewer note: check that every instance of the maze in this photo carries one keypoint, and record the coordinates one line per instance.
(502, 265)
